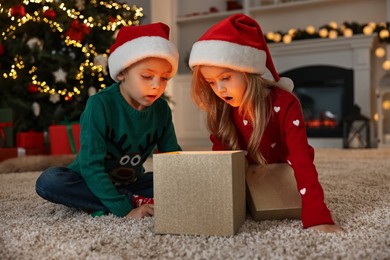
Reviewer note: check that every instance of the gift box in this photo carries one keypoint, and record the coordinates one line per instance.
(37, 150)
(64, 139)
(30, 139)
(272, 192)
(6, 128)
(8, 153)
(199, 193)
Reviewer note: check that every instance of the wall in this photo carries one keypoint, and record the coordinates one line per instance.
(189, 121)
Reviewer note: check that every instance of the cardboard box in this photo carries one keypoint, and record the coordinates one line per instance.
(64, 139)
(272, 192)
(199, 193)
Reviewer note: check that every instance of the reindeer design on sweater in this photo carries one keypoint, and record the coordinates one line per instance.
(123, 166)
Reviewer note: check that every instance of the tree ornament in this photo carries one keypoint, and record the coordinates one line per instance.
(36, 108)
(32, 88)
(60, 75)
(91, 91)
(50, 14)
(111, 19)
(101, 60)
(80, 4)
(18, 10)
(72, 55)
(68, 98)
(35, 43)
(77, 31)
(1, 49)
(54, 98)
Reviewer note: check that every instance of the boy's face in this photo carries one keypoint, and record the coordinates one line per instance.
(144, 82)
(227, 84)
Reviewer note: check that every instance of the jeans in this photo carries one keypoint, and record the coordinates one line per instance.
(64, 186)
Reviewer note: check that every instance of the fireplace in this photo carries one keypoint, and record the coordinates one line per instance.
(319, 67)
(326, 95)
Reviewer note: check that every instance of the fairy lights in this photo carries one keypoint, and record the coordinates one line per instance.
(332, 31)
(89, 50)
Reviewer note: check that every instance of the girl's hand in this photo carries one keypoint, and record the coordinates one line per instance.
(146, 210)
(326, 228)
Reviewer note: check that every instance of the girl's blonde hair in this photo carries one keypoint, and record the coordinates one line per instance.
(256, 107)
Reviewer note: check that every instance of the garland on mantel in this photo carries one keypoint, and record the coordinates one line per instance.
(331, 31)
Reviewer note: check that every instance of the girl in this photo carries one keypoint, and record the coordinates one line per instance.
(234, 81)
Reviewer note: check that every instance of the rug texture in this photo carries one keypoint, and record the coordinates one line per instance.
(356, 185)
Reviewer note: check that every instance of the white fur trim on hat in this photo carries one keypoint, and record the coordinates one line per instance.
(283, 83)
(141, 48)
(229, 55)
(286, 84)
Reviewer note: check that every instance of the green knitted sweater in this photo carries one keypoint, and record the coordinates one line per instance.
(115, 141)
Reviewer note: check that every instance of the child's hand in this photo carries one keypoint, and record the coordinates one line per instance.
(328, 228)
(146, 210)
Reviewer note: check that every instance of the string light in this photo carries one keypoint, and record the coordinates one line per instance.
(380, 52)
(89, 51)
(310, 29)
(332, 31)
(348, 32)
(386, 65)
(386, 105)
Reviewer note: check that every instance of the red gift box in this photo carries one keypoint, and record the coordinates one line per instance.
(64, 139)
(37, 151)
(8, 153)
(30, 139)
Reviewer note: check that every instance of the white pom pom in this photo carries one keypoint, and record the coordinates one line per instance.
(286, 84)
(36, 108)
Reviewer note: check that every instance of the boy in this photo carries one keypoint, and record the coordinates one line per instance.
(120, 127)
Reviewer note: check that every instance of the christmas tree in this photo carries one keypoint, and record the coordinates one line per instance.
(53, 56)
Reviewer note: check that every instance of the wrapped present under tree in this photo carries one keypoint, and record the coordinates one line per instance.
(64, 139)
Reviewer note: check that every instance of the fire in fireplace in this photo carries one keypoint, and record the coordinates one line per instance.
(326, 96)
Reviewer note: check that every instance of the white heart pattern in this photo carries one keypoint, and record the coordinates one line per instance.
(302, 191)
(273, 145)
(276, 109)
(296, 122)
(245, 122)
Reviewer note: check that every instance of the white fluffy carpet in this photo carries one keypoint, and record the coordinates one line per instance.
(356, 184)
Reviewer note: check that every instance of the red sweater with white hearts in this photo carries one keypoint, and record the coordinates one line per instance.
(285, 140)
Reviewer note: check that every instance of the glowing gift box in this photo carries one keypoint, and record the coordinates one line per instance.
(272, 192)
(199, 193)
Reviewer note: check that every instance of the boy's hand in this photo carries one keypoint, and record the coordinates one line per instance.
(146, 210)
(328, 228)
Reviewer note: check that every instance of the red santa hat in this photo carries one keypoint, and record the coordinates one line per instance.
(134, 43)
(238, 43)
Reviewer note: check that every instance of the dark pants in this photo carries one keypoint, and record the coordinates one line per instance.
(64, 186)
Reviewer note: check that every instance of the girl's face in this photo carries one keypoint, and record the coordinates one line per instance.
(227, 84)
(144, 82)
